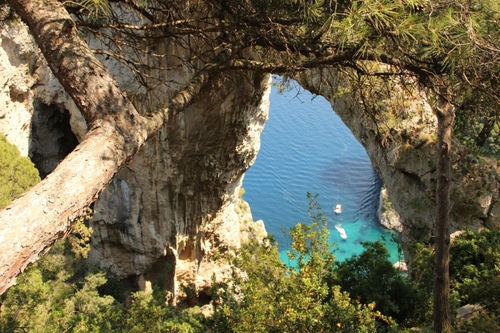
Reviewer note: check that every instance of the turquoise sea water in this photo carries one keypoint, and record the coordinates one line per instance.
(305, 147)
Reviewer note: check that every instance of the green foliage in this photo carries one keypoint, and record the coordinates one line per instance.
(425, 39)
(386, 202)
(272, 297)
(475, 268)
(79, 238)
(483, 323)
(58, 293)
(474, 275)
(99, 8)
(309, 243)
(468, 129)
(440, 42)
(431, 42)
(422, 266)
(62, 292)
(17, 173)
(146, 315)
(371, 278)
(96, 8)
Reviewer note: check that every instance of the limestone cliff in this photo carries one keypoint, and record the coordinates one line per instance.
(388, 217)
(176, 205)
(33, 106)
(399, 135)
(172, 207)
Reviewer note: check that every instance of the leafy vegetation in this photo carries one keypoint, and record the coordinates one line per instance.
(371, 278)
(474, 275)
(271, 297)
(17, 173)
(475, 268)
(63, 292)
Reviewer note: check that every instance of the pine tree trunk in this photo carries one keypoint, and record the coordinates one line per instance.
(32, 223)
(442, 320)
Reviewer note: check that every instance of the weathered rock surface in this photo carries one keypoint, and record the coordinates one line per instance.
(17, 57)
(173, 206)
(176, 205)
(387, 216)
(399, 135)
(32, 98)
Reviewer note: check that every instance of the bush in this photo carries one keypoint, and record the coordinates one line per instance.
(272, 297)
(17, 173)
(371, 278)
(475, 268)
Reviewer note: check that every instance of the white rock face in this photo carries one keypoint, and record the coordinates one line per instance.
(176, 205)
(25, 82)
(182, 193)
(17, 53)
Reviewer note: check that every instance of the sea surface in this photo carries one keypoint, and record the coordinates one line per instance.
(305, 147)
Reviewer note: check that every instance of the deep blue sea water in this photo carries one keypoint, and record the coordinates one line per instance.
(305, 147)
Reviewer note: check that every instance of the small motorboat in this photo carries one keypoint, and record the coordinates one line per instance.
(341, 231)
(338, 209)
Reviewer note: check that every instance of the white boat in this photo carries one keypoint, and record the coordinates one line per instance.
(341, 231)
(338, 209)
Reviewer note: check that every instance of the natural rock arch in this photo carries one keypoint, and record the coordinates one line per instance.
(117, 130)
(404, 157)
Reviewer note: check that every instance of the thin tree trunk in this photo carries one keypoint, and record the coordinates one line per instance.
(442, 320)
(32, 223)
(485, 132)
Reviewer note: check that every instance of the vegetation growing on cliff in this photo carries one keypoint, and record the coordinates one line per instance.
(474, 275)
(271, 297)
(17, 173)
(62, 293)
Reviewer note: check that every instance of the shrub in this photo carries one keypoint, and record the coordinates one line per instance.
(17, 173)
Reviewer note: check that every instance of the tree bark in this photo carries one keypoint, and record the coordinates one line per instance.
(445, 115)
(32, 223)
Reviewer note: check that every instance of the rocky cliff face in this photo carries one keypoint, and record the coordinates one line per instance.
(387, 216)
(399, 135)
(35, 113)
(175, 206)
